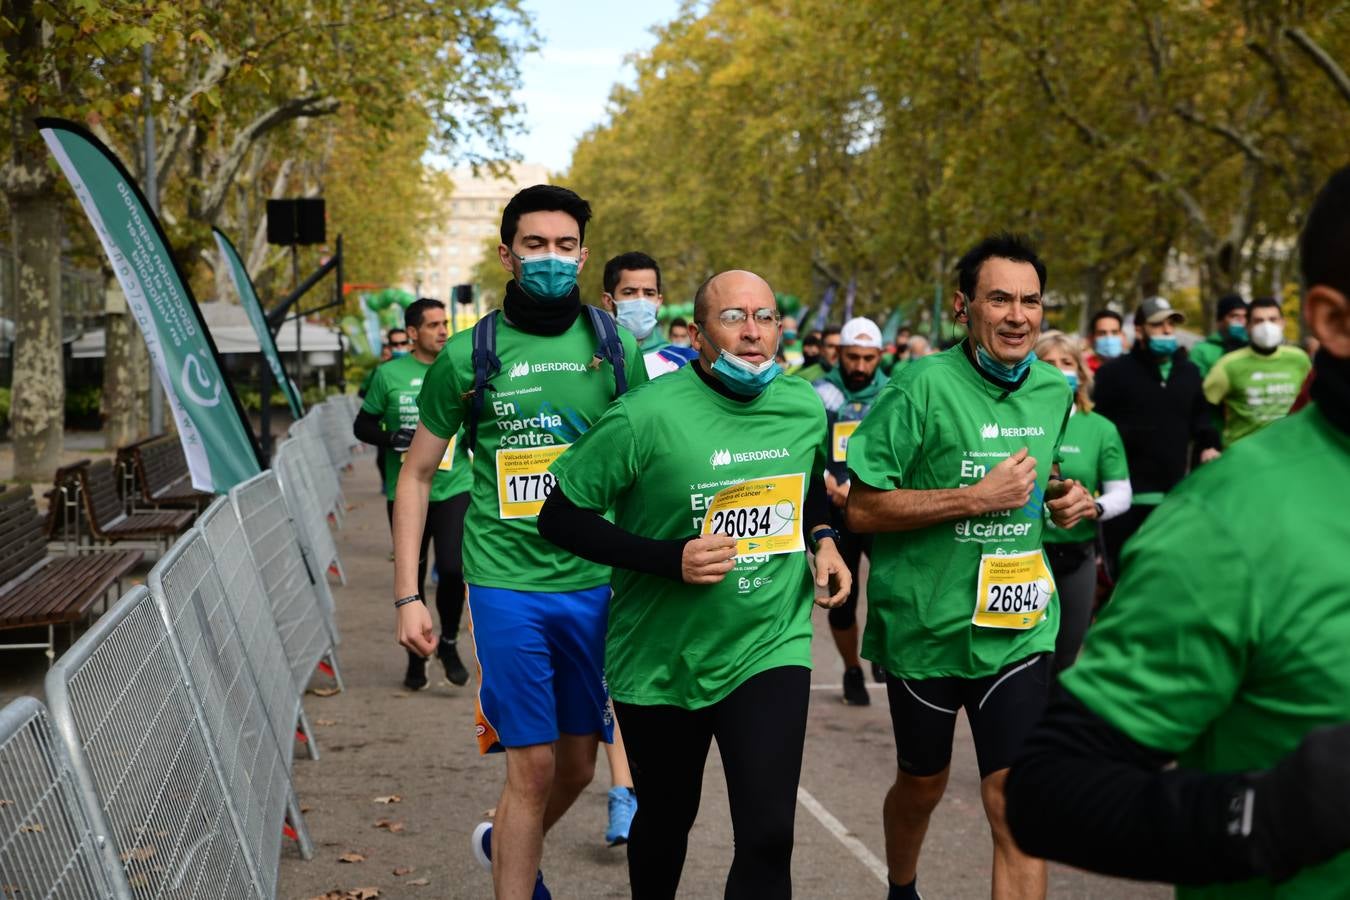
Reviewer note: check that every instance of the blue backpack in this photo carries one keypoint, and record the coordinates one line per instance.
(486, 364)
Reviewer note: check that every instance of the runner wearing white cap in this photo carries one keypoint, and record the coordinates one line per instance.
(847, 392)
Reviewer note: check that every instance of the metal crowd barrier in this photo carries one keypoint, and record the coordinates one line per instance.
(324, 477)
(301, 497)
(206, 642)
(134, 730)
(302, 607)
(48, 847)
(258, 632)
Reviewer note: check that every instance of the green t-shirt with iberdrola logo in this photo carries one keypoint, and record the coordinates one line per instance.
(1255, 389)
(689, 645)
(546, 395)
(1092, 453)
(938, 425)
(1225, 640)
(392, 395)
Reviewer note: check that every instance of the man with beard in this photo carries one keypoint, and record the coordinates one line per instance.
(848, 391)
(1223, 652)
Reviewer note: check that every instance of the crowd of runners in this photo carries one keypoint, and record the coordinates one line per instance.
(1123, 560)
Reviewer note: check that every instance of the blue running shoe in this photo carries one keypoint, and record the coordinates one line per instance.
(482, 851)
(622, 806)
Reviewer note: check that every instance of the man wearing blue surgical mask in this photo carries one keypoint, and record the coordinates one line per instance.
(632, 284)
(1154, 397)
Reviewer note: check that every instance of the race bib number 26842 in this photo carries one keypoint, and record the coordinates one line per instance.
(1013, 590)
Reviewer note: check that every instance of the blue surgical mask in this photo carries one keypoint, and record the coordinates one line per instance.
(638, 316)
(789, 336)
(1072, 379)
(1163, 345)
(1109, 346)
(549, 276)
(679, 342)
(1001, 371)
(741, 376)
(397, 354)
(1237, 333)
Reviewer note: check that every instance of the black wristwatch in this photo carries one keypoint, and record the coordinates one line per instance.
(820, 534)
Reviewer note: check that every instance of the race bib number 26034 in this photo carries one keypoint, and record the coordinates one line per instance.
(524, 481)
(764, 515)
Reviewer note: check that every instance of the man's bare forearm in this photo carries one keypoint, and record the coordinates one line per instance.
(410, 515)
(870, 510)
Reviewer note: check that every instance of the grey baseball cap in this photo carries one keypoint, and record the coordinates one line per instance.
(1156, 310)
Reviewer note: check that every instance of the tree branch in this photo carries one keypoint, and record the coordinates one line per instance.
(1320, 58)
(295, 108)
(178, 118)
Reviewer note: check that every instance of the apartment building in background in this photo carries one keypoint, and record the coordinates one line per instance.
(469, 217)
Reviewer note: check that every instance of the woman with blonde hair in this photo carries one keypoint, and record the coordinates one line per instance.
(1092, 454)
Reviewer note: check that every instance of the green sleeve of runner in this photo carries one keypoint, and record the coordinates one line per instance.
(601, 465)
(1216, 383)
(1112, 465)
(635, 367)
(440, 406)
(1170, 650)
(1058, 457)
(373, 402)
(889, 437)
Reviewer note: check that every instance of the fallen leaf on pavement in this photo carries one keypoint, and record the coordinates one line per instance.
(351, 858)
(139, 854)
(325, 722)
(325, 692)
(37, 827)
(420, 882)
(404, 870)
(387, 825)
(392, 798)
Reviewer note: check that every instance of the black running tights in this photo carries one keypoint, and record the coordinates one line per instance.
(760, 728)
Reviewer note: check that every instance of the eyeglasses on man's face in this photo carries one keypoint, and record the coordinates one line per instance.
(764, 316)
(399, 343)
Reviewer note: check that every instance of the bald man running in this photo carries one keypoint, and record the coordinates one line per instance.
(710, 622)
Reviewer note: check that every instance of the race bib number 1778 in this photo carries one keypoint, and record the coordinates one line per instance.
(764, 515)
(524, 481)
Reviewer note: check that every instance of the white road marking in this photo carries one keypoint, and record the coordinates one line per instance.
(871, 686)
(845, 837)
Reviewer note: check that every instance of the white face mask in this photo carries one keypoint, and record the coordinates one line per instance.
(1267, 335)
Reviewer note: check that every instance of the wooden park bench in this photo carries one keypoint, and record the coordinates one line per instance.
(106, 520)
(37, 590)
(159, 476)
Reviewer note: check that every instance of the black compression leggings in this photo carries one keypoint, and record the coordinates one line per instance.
(445, 525)
(760, 728)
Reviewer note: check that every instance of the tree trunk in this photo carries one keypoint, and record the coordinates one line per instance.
(38, 405)
(121, 406)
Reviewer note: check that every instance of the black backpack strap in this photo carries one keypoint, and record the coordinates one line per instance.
(485, 365)
(610, 347)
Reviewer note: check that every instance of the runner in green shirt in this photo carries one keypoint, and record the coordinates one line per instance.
(386, 353)
(1256, 385)
(1093, 455)
(387, 419)
(1231, 315)
(1224, 651)
(710, 624)
(537, 614)
(951, 471)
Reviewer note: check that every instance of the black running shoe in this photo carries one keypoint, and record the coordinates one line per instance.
(454, 669)
(416, 679)
(855, 688)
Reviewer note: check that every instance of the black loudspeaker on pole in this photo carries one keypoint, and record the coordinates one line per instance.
(296, 222)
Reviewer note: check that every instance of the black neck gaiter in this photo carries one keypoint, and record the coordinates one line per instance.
(1331, 388)
(543, 317)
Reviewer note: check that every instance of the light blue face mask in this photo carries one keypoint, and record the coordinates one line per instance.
(1109, 346)
(1001, 371)
(549, 276)
(1163, 345)
(397, 354)
(743, 377)
(638, 316)
(1238, 333)
(1072, 379)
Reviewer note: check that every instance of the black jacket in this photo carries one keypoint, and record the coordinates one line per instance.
(1158, 421)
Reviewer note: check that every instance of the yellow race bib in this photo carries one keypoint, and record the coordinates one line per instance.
(839, 436)
(524, 481)
(1013, 590)
(764, 515)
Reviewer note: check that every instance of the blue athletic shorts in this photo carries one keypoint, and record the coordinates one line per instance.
(541, 665)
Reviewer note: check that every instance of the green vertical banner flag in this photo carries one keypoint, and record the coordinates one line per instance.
(218, 441)
(248, 298)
